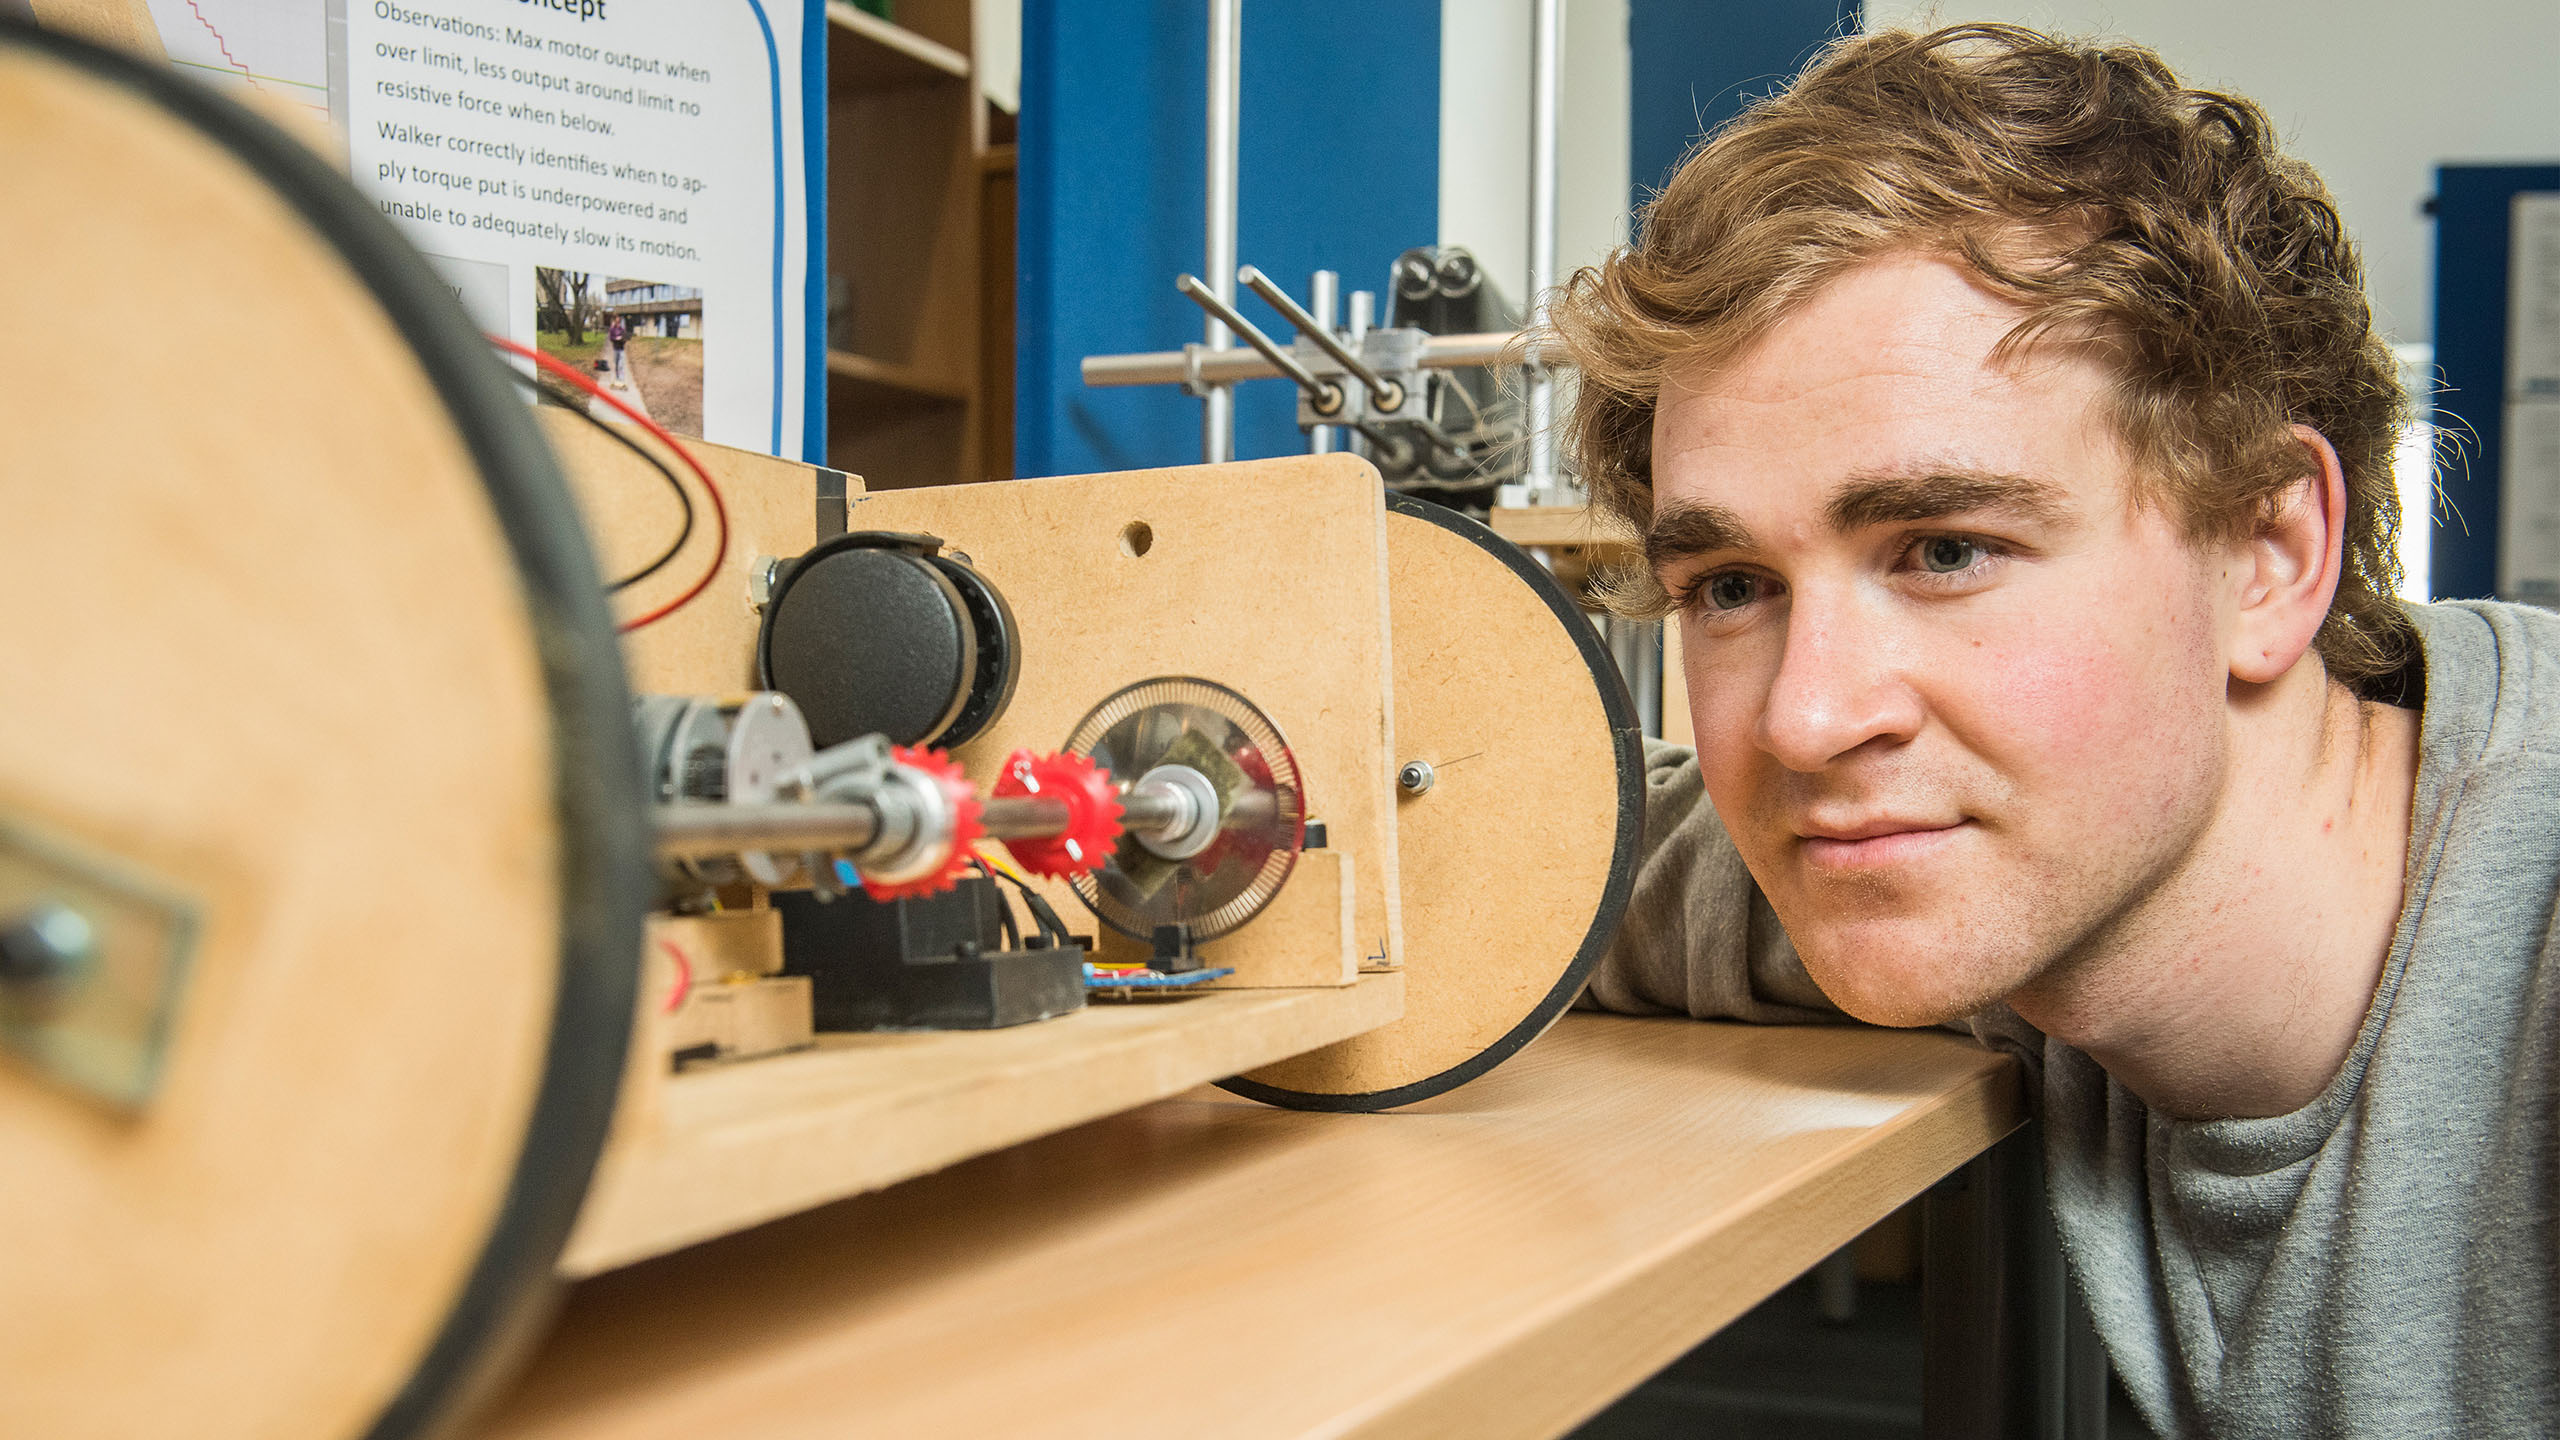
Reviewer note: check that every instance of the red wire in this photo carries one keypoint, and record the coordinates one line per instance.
(684, 975)
(719, 510)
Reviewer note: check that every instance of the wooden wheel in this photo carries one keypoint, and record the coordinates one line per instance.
(1515, 863)
(314, 720)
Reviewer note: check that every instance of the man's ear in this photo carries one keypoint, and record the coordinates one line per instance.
(2284, 577)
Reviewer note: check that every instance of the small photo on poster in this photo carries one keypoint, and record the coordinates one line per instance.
(638, 338)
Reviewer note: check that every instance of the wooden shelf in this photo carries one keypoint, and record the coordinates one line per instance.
(865, 373)
(884, 54)
(1571, 526)
(1498, 1262)
(718, 1150)
(1000, 159)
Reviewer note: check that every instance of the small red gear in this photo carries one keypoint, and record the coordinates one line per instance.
(961, 799)
(1093, 812)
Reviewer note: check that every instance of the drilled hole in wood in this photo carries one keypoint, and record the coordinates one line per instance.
(1136, 538)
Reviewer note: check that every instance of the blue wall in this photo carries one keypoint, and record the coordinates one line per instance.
(1339, 168)
(2473, 208)
(1692, 64)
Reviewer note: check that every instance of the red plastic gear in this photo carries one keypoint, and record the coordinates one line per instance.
(1093, 812)
(962, 800)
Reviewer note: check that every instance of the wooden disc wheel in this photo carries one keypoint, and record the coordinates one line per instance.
(321, 853)
(1516, 859)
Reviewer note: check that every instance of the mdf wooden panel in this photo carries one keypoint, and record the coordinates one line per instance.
(1266, 576)
(709, 646)
(717, 1150)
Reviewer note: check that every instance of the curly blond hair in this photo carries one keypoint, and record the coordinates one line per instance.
(2085, 185)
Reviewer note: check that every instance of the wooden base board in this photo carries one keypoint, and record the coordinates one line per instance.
(734, 1146)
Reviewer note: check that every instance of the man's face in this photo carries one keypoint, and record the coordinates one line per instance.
(1959, 700)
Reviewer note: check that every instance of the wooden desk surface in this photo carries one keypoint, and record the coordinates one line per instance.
(1501, 1261)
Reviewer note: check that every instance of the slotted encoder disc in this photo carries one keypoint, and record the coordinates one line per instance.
(1210, 729)
(1516, 863)
(315, 728)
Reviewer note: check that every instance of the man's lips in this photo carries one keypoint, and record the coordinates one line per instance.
(1876, 842)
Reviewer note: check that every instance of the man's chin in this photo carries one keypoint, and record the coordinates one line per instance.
(1903, 986)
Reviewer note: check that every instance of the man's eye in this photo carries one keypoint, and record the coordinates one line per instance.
(1730, 591)
(1946, 555)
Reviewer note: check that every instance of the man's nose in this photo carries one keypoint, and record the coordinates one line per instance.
(1840, 685)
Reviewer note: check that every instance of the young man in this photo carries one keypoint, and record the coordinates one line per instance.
(2012, 447)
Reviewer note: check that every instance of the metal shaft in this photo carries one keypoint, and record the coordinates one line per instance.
(1023, 817)
(1327, 396)
(1324, 297)
(1153, 809)
(1166, 367)
(1226, 101)
(1545, 87)
(700, 831)
(1380, 388)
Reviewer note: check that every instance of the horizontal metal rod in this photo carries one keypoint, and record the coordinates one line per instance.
(1154, 809)
(1023, 817)
(695, 832)
(1170, 367)
(702, 831)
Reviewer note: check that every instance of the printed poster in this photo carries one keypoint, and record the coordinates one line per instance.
(625, 184)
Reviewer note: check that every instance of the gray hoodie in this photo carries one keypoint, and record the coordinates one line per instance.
(2384, 1261)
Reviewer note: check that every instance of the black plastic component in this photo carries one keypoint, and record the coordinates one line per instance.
(1313, 837)
(999, 652)
(935, 962)
(1173, 953)
(878, 632)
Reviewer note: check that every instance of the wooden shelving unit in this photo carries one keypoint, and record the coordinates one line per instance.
(920, 253)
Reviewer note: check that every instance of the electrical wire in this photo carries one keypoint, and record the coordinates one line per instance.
(1043, 914)
(719, 508)
(684, 975)
(1004, 912)
(684, 497)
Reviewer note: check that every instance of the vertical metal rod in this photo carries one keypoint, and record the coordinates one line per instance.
(1546, 81)
(1324, 297)
(1226, 51)
(1364, 313)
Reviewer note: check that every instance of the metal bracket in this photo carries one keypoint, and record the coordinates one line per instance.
(101, 954)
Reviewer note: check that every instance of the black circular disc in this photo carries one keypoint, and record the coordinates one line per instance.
(604, 877)
(869, 640)
(999, 653)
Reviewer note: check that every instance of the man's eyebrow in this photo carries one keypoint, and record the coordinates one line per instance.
(1687, 529)
(1903, 497)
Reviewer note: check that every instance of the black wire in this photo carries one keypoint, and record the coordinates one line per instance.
(1012, 932)
(1043, 913)
(614, 433)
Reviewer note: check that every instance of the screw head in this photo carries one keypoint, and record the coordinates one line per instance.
(1416, 776)
(45, 942)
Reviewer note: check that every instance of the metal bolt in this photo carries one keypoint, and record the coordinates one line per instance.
(1416, 776)
(46, 942)
(763, 573)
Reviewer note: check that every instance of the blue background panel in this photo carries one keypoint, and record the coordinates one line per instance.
(1691, 67)
(1339, 167)
(2474, 207)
